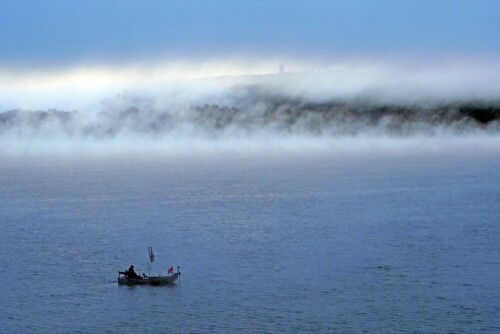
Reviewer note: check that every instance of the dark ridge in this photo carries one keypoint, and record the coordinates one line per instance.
(254, 111)
(482, 114)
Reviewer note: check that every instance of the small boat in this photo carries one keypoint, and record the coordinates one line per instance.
(125, 278)
(149, 280)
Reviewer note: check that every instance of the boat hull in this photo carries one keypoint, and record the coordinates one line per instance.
(153, 280)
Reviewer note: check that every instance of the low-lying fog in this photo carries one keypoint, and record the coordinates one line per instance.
(346, 107)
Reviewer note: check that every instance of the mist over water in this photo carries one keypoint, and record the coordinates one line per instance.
(344, 109)
(310, 166)
(348, 203)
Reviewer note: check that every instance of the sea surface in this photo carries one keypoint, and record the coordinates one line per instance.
(392, 243)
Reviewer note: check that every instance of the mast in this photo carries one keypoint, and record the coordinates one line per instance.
(151, 259)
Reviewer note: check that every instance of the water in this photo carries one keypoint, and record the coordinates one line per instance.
(296, 243)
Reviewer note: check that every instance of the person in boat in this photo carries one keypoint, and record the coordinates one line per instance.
(131, 273)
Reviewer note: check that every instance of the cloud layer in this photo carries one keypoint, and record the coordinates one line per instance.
(169, 108)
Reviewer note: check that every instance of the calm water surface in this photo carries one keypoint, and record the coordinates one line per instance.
(290, 244)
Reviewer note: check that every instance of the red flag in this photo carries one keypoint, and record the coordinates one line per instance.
(170, 270)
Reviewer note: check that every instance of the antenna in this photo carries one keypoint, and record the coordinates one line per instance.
(151, 259)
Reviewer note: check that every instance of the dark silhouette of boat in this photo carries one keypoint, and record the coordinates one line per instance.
(129, 277)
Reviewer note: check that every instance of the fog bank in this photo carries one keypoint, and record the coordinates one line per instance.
(342, 108)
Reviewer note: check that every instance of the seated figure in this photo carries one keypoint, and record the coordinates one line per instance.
(131, 273)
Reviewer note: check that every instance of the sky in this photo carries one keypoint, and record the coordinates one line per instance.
(64, 33)
(73, 54)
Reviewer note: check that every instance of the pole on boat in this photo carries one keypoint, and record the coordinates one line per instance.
(151, 259)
